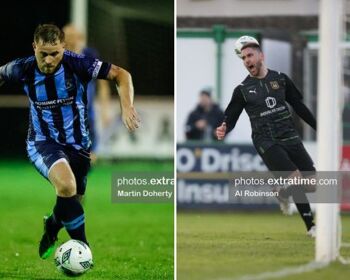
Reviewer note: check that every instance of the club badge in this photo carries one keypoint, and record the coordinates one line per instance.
(274, 85)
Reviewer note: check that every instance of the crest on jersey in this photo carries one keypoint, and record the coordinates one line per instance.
(274, 85)
(69, 84)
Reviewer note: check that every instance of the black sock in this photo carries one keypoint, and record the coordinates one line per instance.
(70, 212)
(306, 214)
(54, 225)
(301, 202)
(303, 206)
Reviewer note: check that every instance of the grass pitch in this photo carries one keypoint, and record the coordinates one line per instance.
(232, 245)
(128, 241)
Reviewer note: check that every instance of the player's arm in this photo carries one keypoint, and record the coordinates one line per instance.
(123, 80)
(232, 113)
(103, 99)
(295, 99)
(12, 71)
(88, 68)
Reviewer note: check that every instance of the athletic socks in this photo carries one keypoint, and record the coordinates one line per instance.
(69, 211)
(53, 225)
(306, 214)
(301, 202)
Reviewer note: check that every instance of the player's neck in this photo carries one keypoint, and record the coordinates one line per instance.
(262, 73)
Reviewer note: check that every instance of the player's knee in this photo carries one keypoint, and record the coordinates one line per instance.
(66, 188)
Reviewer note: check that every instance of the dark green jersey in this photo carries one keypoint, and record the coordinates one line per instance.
(264, 100)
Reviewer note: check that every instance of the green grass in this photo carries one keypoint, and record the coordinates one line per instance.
(232, 245)
(128, 241)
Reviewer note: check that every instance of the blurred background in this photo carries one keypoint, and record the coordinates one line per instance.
(138, 36)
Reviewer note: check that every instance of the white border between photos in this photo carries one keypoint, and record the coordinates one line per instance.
(175, 146)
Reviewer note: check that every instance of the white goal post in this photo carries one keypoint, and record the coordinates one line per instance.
(329, 114)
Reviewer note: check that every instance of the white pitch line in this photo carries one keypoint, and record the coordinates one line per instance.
(281, 273)
(344, 260)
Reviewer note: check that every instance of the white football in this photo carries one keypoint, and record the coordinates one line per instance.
(73, 257)
(242, 41)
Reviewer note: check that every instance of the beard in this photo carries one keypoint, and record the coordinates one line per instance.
(255, 69)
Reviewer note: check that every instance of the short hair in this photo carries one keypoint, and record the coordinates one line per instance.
(206, 92)
(48, 33)
(253, 46)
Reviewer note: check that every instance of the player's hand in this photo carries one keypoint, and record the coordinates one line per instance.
(130, 118)
(221, 131)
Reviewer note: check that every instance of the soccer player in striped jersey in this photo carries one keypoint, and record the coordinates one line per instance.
(58, 143)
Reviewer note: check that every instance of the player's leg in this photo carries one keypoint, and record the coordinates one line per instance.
(52, 223)
(51, 160)
(80, 165)
(277, 158)
(302, 203)
(68, 209)
(43, 155)
(303, 161)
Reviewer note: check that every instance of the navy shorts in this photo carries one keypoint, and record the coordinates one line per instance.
(44, 154)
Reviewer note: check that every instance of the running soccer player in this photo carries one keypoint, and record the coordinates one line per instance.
(58, 142)
(263, 94)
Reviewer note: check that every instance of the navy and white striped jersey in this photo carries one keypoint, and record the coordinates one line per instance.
(58, 102)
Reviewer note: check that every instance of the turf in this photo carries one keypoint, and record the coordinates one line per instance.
(233, 245)
(128, 241)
